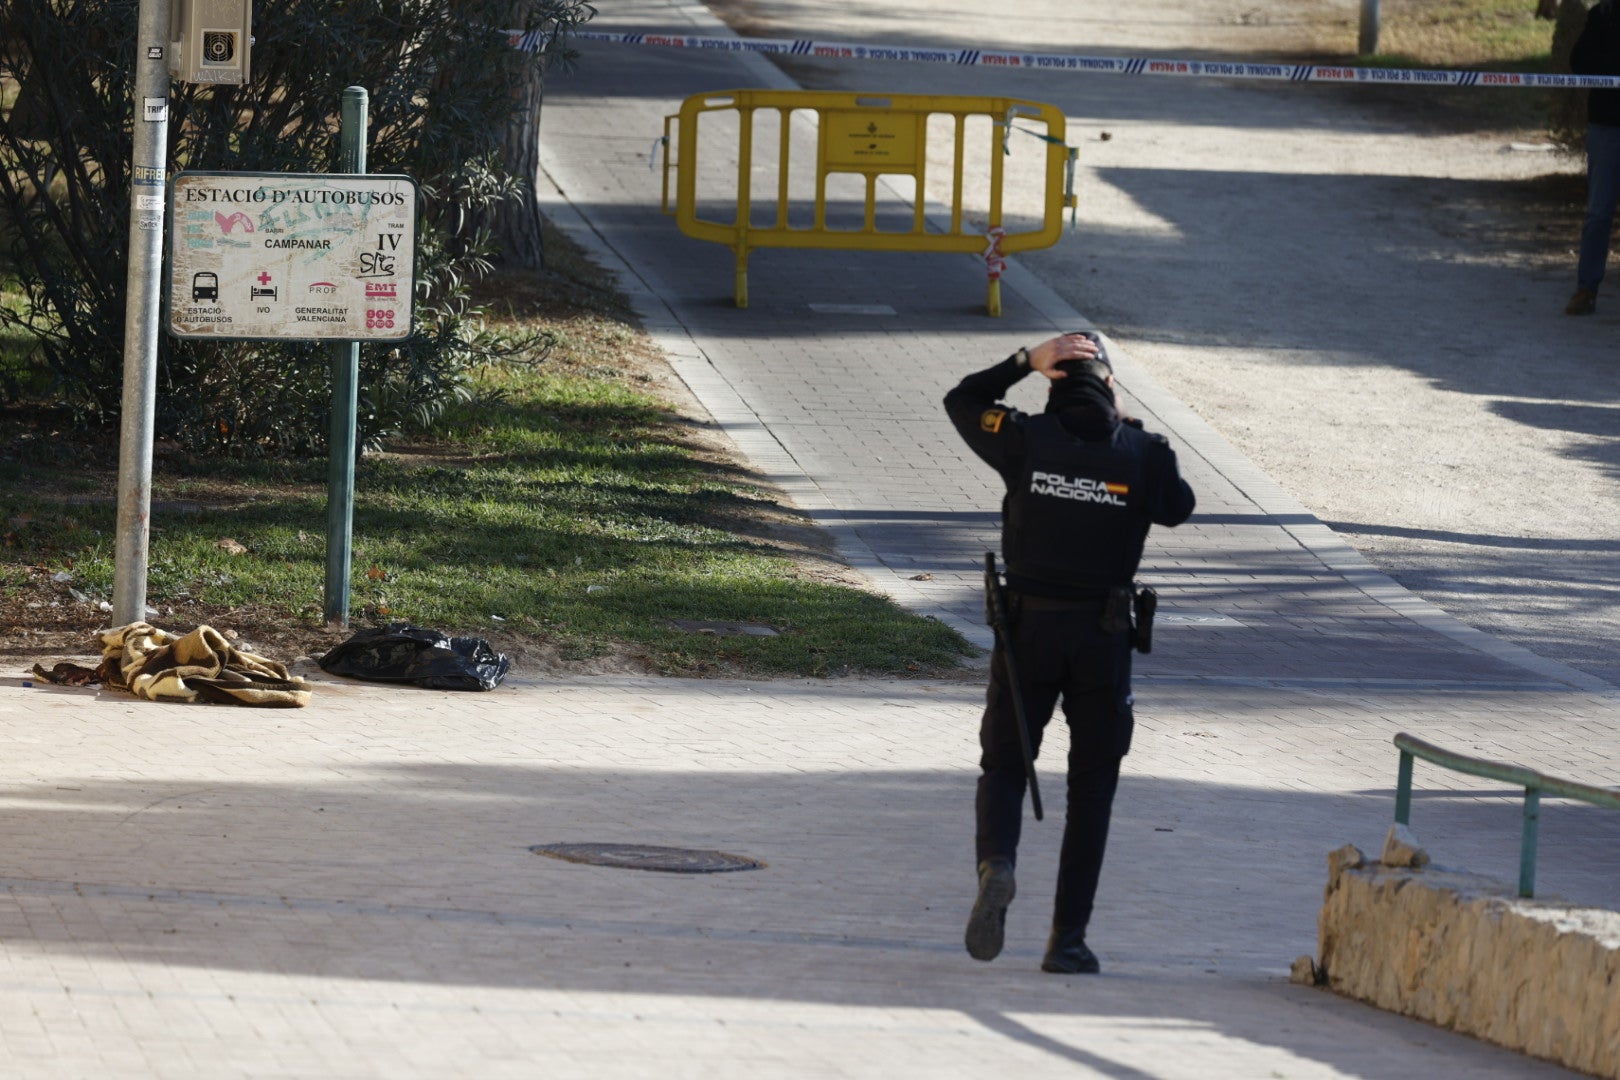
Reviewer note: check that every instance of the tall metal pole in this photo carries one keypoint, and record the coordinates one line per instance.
(149, 165)
(340, 445)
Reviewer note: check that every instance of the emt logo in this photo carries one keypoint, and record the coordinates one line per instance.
(1079, 488)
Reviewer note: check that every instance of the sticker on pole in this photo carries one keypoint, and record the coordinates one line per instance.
(294, 256)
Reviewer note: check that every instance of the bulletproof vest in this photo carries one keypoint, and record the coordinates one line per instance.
(1074, 521)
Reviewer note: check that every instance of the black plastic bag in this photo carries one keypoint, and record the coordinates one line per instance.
(400, 652)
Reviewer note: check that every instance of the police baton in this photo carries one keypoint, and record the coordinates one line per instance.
(995, 613)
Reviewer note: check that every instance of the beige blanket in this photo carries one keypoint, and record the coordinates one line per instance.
(201, 666)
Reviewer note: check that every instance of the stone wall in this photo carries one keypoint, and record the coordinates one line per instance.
(1467, 953)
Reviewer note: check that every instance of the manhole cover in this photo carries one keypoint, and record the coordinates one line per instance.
(670, 860)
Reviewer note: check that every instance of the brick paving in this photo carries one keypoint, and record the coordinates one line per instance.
(348, 891)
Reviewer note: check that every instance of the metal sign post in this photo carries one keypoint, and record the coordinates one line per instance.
(345, 402)
(144, 281)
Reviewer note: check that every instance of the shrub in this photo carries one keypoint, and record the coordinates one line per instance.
(444, 82)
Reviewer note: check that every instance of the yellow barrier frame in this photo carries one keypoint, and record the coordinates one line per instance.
(871, 135)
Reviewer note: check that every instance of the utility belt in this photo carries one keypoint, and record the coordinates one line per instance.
(1123, 609)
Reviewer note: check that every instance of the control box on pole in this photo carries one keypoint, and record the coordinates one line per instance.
(210, 41)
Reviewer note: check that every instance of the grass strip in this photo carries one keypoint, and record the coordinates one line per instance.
(571, 514)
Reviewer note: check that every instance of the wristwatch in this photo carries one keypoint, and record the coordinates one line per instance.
(1022, 356)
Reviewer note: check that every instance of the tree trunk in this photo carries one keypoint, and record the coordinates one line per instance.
(517, 223)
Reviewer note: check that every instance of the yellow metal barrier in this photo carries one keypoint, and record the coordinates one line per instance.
(866, 137)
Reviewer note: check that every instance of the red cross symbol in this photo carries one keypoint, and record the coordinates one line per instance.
(264, 277)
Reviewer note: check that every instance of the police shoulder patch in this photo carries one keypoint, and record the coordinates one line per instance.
(991, 420)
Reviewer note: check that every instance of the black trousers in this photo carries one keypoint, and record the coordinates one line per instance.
(1059, 653)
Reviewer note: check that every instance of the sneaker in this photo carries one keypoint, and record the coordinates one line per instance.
(988, 922)
(1066, 954)
(1584, 302)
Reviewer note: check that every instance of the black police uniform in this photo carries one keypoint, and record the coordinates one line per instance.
(1083, 488)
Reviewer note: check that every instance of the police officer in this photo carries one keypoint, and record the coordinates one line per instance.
(1084, 484)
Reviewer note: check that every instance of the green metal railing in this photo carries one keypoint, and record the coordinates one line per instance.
(1534, 783)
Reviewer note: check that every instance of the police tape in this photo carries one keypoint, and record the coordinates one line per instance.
(1100, 65)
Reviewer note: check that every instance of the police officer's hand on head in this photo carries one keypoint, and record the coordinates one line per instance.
(1046, 356)
(1067, 354)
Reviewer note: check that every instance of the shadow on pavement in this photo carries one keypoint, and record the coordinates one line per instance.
(1524, 543)
(423, 872)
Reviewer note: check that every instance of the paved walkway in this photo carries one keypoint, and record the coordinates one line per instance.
(348, 891)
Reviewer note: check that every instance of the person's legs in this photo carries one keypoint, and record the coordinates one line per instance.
(999, 802)
(1602, 193)
(1092, 782)
(1097, 706)
(1091, 801)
